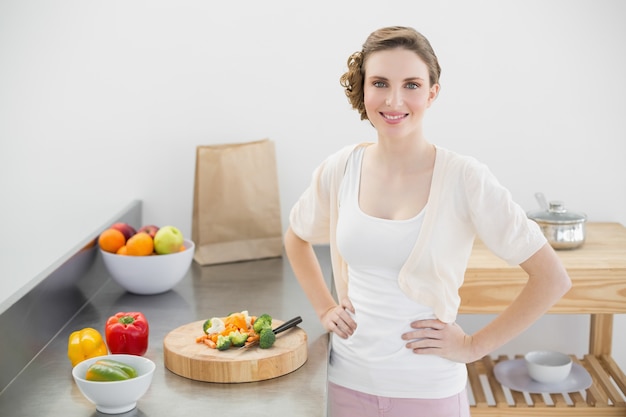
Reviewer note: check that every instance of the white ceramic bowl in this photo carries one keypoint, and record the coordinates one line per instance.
(115, 397)
(548, 367)
(153, 274)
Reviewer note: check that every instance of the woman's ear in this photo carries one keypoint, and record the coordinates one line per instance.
(433, 93)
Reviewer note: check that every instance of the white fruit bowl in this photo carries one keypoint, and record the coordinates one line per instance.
(548, 367)
(152, 274)
(115, 397)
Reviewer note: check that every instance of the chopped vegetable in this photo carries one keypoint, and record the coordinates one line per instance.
(248, 318)
(223, 342)
(84, 344)
(238, 339)
(236, 330)
(236, 320)
(267, 338)
(216, 325)
(264, 321)
(206, 326)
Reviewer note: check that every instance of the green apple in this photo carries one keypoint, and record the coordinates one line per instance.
(168, 239)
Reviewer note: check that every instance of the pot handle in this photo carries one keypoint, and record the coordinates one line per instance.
(541, 199)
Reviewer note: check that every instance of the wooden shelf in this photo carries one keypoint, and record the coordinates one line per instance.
(606, 397)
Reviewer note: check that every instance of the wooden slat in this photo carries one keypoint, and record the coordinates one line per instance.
(578, 400)
(477, 390)
(519, 399)
(559, 400)
(595, 397)
(537, 400)
(496, 387)
(604, 380)
(519, 396)
(546, 412)
(616, 373)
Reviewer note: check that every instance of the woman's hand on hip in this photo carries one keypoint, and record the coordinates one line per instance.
(434, 337)
(338, 319)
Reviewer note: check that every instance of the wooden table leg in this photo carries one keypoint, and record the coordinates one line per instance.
(601, 334)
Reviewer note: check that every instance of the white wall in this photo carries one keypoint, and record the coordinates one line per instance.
(102, 102)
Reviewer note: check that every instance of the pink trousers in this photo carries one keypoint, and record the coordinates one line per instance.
(344, 402)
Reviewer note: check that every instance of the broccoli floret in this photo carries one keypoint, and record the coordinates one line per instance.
(206, 326)
(267, 338)
(223, 342)
(237, 338)
(266, 317)
(263, 322)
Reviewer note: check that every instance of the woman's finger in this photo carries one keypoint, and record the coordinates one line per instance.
(339, 321)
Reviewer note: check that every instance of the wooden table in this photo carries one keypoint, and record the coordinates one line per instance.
(598, 273)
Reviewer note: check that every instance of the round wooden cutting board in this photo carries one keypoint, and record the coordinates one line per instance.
(187, 358)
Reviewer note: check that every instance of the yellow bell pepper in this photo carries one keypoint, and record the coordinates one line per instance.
(84, 344)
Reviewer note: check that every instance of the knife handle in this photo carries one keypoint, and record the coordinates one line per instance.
(288, 325)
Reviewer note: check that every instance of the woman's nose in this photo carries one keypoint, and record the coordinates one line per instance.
(394, 99)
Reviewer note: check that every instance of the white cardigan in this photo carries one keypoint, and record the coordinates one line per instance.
(465, 201)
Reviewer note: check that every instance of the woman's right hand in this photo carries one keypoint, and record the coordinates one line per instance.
(338, 319)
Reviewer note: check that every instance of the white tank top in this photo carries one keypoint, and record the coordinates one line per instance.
(374, 359)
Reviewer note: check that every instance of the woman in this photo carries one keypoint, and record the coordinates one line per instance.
(401, 215)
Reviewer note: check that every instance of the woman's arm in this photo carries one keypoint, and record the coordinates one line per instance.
(307, 269)
(547, 282)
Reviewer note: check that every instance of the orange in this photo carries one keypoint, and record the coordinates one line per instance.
(140, 244)
(111, 240)
(122, 250)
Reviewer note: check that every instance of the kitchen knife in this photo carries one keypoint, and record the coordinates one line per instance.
(283, 327)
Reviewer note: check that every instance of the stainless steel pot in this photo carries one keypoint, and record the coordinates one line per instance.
(563, 229)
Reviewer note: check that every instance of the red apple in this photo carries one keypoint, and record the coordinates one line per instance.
(126, 229)
(149, 229)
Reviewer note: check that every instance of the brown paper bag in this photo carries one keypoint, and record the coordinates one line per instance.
(236, 204)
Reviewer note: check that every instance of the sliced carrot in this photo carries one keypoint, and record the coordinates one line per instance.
(237, 320)
(229, 328)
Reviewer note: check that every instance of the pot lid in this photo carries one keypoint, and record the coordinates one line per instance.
(557, 213)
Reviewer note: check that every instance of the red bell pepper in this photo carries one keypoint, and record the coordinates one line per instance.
(127, 333)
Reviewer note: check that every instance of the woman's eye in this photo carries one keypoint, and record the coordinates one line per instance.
(412, 86)
(379, 84)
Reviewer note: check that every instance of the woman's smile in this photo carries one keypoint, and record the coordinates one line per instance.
(394, 118)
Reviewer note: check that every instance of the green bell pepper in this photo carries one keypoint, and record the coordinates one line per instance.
(110, 370)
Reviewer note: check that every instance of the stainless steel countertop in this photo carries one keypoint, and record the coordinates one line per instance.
(45, 386)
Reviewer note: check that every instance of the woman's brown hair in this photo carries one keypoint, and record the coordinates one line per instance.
(383, 39)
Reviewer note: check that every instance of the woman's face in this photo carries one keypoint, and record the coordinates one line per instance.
(396, 92)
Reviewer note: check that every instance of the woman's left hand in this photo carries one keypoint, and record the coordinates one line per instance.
(434, 337)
